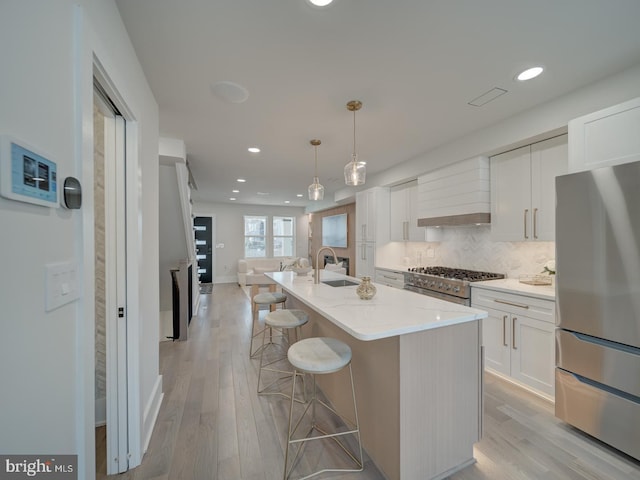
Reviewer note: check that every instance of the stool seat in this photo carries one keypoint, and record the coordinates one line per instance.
(268, 298)
(319, 355)
(291, 318)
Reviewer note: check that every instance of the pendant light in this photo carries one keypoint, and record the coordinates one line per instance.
(355, 171)
(316, 191)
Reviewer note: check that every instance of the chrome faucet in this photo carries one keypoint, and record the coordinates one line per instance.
(316, 274)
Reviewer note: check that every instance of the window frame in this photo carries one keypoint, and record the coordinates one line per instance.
(264, 236)
(292, 236)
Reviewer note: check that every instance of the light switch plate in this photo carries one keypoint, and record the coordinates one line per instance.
(61, 284)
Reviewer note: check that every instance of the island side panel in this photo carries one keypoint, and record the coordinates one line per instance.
(440, 400)
(377, 380)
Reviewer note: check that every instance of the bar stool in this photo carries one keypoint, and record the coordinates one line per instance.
(283, 321)
(266, 298)
(319, 356)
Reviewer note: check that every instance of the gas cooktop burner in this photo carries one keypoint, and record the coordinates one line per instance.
(456, 273)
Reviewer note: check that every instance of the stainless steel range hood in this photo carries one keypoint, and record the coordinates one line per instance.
(478, 218)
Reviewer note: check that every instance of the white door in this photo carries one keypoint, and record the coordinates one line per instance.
(115, 282)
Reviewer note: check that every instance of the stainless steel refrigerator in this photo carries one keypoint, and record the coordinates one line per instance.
(598, 304)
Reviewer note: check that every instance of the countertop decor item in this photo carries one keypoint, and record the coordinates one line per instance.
(366, 290)
(535, 279)
(301, 271)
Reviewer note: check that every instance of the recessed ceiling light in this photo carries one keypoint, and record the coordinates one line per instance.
(530, 73)
(287, 201)
(241, 180)
(232, 198)
(299, 195)
(262, 193)
(254, 149)
(320, 3)
(235, 191)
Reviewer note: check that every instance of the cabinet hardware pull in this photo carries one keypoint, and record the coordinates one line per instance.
(519, 305)
(526, 212)
(504, 330)
(535, 223)
(390, 278)
(513, 333)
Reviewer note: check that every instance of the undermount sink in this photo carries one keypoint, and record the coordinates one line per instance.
(340, 283)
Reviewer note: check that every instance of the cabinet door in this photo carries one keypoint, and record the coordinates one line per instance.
(416, 233)
(398, 215)
(511, 195)
(548, 160)
(362, 214)
(496, 335)
(605, 138)
(365, 259)
(533, 353)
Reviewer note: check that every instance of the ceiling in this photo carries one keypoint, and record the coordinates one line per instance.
(415, 65)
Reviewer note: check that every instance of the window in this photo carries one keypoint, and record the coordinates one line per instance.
(255, 236)
(284, 236)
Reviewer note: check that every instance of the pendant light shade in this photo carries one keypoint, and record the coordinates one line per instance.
(355, 172)
(316, 191)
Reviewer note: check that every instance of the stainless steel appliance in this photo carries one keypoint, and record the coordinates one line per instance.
(598, 304)
(451, 284)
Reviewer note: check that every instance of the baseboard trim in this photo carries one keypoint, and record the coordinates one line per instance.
(513, 381)
(151, 413)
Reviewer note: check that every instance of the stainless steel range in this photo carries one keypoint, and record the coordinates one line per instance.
(451, 284)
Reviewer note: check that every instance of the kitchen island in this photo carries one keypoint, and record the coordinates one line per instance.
(417, 364)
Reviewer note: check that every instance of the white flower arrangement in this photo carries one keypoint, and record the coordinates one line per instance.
(550, 267)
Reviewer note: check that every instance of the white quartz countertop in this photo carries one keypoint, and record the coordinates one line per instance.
(390, 313)
(513, 285)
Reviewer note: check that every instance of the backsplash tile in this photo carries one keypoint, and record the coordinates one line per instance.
(471, 248)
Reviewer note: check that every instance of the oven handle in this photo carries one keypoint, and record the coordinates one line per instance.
(438, 295)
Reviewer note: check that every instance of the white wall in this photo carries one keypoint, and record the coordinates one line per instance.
(230, 232)
(46, 358)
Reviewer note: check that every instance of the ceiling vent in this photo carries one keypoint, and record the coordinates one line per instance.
(487, 97)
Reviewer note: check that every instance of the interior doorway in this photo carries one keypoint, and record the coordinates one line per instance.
(110, 286)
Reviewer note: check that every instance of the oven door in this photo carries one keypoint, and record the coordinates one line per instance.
(439, 295)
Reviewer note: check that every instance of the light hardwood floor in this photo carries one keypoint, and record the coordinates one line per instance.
(213, 425)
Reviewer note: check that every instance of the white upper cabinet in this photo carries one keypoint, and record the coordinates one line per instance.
(404, 214)
(523, 191)
(372, 215)
(605, 138)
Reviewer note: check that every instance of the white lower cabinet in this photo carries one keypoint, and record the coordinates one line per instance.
(519, 338)
(391, 278)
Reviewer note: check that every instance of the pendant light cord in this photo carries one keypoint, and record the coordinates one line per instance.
(315, 148)
(354, 133)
